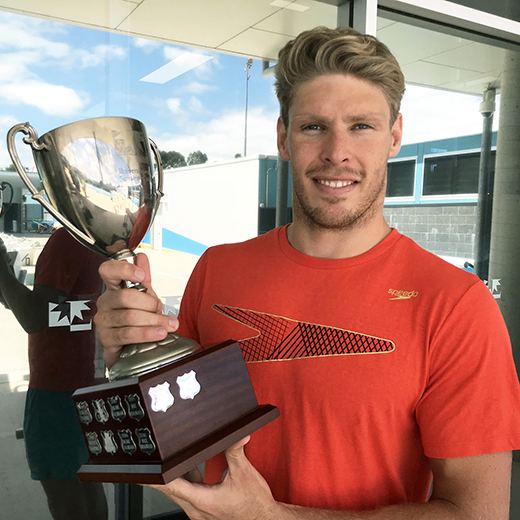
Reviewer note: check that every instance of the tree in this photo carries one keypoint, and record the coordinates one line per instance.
(197, 158)
(237, 155)
(10, 168)
(172, 159)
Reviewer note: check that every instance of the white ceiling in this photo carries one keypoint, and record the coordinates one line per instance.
(434, 59)
(259, 28)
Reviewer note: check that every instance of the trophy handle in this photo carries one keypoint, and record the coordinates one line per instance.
(160, 174)
(38, 195)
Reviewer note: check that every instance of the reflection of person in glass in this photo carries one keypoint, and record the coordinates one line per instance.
(57, 315)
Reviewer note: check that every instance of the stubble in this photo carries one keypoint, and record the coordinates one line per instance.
(324, 217)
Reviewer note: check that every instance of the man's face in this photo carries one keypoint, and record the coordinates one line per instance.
(338, 141)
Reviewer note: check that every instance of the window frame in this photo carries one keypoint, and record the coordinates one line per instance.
(455, 197)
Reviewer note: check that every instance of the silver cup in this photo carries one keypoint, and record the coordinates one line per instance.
(98, 180)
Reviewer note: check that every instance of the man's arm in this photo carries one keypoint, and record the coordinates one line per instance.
(468, 488)
(29, 307)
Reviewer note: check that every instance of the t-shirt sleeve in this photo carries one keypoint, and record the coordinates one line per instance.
(471, 404)
(191, 301)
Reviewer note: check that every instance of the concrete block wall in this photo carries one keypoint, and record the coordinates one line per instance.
(446, 230)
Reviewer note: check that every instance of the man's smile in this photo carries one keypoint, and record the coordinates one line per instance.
(335, 184)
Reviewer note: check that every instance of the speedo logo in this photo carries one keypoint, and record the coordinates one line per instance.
(402, 295)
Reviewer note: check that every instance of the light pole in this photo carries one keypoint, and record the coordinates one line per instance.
(485, 187)
(247, 67)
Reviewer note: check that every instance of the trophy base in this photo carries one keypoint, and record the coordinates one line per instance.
(156, 427)
(180, 463)
(140, 358)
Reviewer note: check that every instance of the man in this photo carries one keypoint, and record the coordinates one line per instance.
(371, 347)
(57, 315)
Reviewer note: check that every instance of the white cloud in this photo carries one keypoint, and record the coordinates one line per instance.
(7, 122)
(25, 47)
(146, 45)
(51, 99)
(174, 105)
(18, 37)
(223, 137)
(24, 151)
(29, 47)
(180, 116)
(195, 87)
(11, 69)
(196, 106)
(99, 55)
(172, 53)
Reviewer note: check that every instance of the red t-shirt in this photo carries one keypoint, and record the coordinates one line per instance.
(375, 362)
(61, 356)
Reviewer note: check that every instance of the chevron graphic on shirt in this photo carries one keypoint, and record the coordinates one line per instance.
(282, 338)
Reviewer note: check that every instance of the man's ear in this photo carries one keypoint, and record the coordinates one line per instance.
(397, 135)
(281, 132)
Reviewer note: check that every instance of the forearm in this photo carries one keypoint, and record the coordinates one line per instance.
(465, 488)
(30, 308)
(433, 510)
(19, 299)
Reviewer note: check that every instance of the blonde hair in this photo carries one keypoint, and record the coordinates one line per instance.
(337, 51)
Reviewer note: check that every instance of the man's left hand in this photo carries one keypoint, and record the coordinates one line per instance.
(241, 494)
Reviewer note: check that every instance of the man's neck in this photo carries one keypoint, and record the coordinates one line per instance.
(336, 244)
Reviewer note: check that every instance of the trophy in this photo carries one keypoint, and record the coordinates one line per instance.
(168, 405)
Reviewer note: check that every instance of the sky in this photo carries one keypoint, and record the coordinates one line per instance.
(189, 99)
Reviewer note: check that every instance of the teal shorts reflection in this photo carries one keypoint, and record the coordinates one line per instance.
(54, 442)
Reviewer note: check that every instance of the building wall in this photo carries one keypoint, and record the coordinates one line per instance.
(444, 224)
(208, 204)
(444, 229)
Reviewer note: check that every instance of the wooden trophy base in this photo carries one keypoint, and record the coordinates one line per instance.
(156, 427)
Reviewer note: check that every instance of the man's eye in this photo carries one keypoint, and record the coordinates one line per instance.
(312, 127)
(361, 126)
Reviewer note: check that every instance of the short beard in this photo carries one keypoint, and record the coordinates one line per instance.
(318, 219)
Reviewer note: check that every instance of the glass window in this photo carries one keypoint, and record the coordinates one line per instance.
(401, 178)
(446, 76)
(452, 174)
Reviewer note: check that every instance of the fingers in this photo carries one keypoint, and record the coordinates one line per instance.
(141, 261)
(237, 450)
(194, 476)
(114, 271)
(180, 491)
(127, 315)
(235, 455)
(242, 493)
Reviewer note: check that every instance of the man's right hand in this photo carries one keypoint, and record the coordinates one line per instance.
(127, 315)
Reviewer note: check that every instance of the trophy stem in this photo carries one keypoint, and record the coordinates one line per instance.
(125, 284)
(123, 255)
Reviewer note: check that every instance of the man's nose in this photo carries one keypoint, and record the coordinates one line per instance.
(337, 147)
